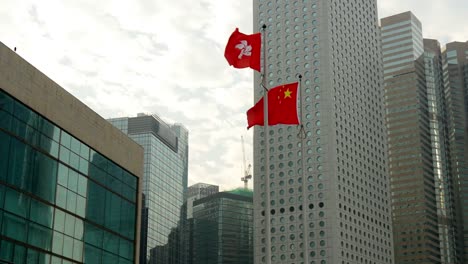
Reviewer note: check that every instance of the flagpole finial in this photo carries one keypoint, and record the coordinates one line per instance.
(300, 76)
(264, 26)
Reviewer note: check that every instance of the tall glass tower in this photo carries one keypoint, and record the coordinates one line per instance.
(443, 176)
(455, 59)
(422, 200)
(326, 196)
(164, 180)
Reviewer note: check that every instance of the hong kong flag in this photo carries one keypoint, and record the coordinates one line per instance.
(243, 51)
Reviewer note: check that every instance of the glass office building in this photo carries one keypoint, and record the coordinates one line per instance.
(455, 67)
(164, 182)
(443, 176)
(223, 228)
(61, 200)
(194, 192)
(420, 126)
(409, 141)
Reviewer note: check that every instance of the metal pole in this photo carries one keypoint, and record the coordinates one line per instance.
(267, 153)
(303, 135)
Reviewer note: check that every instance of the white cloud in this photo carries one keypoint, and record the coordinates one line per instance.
(166, 57)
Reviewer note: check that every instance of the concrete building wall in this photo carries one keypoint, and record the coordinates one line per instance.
(33, 88)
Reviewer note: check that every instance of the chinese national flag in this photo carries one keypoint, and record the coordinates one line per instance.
(243, 51)
(282, 107)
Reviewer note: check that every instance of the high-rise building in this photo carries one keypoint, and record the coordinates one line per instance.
(455, 58)
(198, 191)
(164, 180)
(409, 141)
(325, 198)
(223, 228)
(194, 192)
(443, 177)
(69, 181)
(419, 166)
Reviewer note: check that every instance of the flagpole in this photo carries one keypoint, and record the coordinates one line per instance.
(303, 135)
(267, 152)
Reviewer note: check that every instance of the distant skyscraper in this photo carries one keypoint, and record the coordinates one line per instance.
(328, 193)
(164, 180)
(198, 191)
(443, 177)
(456, 89)
(69, 181)
(194, 192)
(223, 228)
(422, 192)
(409, 141)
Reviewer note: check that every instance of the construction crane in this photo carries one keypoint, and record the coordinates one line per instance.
(247, 175)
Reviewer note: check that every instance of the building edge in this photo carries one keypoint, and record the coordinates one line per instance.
(72, 115)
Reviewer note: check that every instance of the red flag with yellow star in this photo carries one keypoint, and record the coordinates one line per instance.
(282, 107)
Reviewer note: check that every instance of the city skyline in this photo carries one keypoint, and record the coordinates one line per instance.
(108, 56)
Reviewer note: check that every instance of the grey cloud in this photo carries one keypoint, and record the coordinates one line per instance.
(35, 16)
(156, 48)
(66, 61)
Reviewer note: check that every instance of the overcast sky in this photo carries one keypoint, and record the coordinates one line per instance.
(166, 57)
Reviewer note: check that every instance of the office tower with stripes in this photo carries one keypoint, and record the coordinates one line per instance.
(419, 165)
(455, 57)
(325, 198)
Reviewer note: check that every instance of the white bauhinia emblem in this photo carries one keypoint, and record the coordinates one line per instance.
(245, 48)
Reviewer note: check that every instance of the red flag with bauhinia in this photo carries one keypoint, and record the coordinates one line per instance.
(282, 107)
(243, 50)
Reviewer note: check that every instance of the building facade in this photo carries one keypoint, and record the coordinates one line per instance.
(194, 192)
(455, 70)
(325, 198)
(443, 176)
(423, 193)
(69, 181)
(415, 223)
(164, 181)
(198, 191)
(223, 228)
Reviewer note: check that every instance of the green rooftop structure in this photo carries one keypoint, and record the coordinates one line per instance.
(242, 191)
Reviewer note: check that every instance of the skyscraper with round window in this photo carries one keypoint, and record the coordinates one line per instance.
(324, 196)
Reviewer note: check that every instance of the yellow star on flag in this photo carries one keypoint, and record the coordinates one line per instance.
(287, 94)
